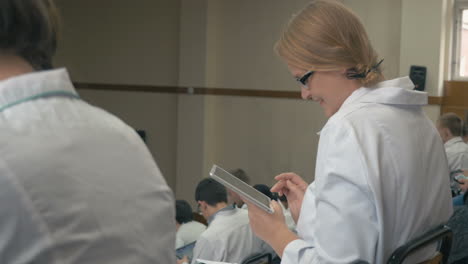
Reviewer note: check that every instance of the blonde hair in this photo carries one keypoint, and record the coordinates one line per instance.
(327, 36)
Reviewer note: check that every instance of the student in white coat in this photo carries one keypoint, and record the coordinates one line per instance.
(228, 237)
(233, 197)
(77, 185)
(188, 231)
(450, 129)
(380, 159)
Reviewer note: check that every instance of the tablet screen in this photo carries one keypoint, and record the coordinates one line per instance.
(186, 250)
(243, 189)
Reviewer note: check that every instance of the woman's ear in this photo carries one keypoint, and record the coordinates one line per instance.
(446, 132)
(202, 205)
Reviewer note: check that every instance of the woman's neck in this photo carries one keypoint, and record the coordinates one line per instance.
(12, 65)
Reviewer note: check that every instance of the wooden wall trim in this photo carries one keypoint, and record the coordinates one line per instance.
(455, 97)
(433, 100)
(456, 93)
(130, 88)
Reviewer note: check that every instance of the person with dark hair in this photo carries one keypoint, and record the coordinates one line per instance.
(465, 129)
(228, 237)
(188, 230)
(183, 212)
(77, 185)
(265, 190)
(450, 126)
(233, 197)
(29, 30)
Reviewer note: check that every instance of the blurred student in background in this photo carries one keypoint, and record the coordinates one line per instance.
(228, 237)
(450, 129)
(77, 185)
(233, 197)
(188, 231)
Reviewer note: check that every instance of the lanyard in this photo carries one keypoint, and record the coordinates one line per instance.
(40, 96)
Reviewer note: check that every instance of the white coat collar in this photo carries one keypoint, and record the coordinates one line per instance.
(30, 84)
(392, 92)
(453, 141)
(230, 209)
(396, 92)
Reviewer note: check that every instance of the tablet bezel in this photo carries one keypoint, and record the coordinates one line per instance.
(228, 183)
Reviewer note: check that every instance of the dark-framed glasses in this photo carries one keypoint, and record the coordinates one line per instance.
(303, 80)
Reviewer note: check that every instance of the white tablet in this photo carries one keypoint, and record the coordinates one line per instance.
(243, 189)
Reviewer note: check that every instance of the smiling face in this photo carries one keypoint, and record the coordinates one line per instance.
(328, 88)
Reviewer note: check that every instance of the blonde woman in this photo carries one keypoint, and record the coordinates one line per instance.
(379, 164)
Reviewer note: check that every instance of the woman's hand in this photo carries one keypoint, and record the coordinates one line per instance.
(463, 184)
(294, 187)
(271, 228)
(183, 260)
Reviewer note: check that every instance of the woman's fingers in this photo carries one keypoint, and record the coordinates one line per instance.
(294, 178)
(295, 197)
(279, 187)
(464, 184)
(293, 188)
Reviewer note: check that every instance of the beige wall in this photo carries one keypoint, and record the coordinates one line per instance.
(381, 18)
(265, 136)
(191, 143)
(127, 42)
(423, 40)
(224, 44)
(432, 112)
(121, 41)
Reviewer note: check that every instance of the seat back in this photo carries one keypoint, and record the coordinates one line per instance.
(459, 225)
(263, 258)
(440, 233)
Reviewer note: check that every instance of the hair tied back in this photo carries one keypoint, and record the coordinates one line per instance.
(352, 74)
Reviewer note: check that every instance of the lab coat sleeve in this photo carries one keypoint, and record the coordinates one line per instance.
(208, 250)
(344, 226)
(179, 242)
(22, 237)
(464, 161)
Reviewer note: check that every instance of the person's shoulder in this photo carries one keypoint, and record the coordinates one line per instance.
(103, 118)
(241, 216)
(211, 232)
(229, 222)
(195, 225)
(338, 126)
(463, 146)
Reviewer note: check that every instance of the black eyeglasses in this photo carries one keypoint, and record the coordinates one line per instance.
(305, 77)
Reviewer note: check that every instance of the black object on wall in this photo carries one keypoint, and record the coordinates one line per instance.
(418, 76)
(142, 134)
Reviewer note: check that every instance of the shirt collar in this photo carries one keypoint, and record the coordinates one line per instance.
(393, 92)
(453, 141)
(30, 84)
(225, 209)
(397, 92)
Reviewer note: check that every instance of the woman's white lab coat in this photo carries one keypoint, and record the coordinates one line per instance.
(380, 180)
